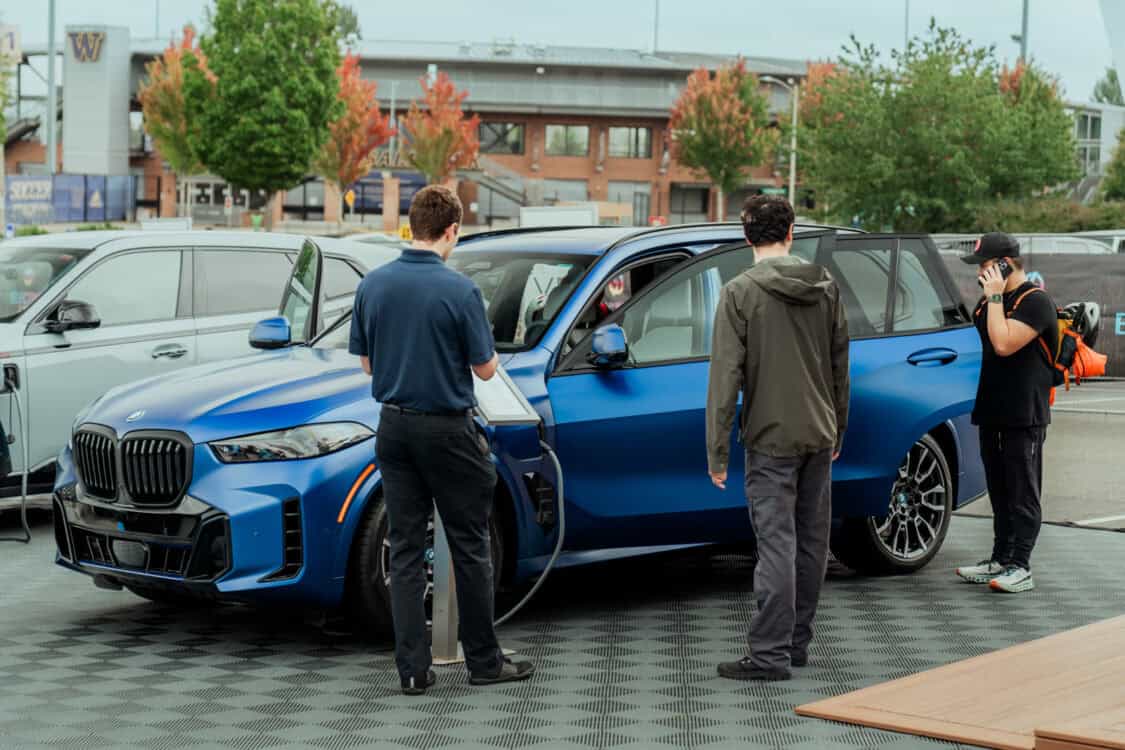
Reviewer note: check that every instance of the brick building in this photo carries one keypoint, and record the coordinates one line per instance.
(558, 124)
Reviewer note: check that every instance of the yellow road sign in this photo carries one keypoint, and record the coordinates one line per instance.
(404, 232)
(349, 198)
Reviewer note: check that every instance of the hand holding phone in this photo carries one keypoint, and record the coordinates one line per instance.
(1004, 267)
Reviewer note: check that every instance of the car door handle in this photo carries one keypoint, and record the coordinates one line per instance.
(169, 351)
(932, 357)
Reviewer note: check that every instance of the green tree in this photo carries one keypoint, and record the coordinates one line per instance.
(720, 127)
(920, 142)
(162, 101)
(1108, 89)
(1113, 184)
(265, 115)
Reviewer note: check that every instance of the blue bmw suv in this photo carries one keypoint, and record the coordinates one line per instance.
(255, 480)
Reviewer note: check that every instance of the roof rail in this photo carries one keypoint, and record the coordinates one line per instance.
(639, 231)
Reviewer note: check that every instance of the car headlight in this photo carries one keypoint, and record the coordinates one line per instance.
(307, 441)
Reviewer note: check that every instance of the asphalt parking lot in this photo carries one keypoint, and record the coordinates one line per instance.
(1084, 466)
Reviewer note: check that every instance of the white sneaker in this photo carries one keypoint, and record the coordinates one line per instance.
(982, 572)
(1013, 580)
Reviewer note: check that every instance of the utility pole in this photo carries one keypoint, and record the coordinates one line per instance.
(655, 26)
(794, 94)
(51, 116)
(906, 28)
(1023, 34)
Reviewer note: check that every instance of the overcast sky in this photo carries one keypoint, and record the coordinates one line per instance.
(1067, 38)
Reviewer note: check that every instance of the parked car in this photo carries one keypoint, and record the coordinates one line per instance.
(256, 480)
(81, 312)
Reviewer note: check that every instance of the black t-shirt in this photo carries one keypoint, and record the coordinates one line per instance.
(1014, 391)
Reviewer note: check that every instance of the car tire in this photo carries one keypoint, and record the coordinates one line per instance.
(368, 594)
(917, 520)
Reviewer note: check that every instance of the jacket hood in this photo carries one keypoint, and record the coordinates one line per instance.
(791, 280)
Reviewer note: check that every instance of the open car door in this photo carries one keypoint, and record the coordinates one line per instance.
(302, 302)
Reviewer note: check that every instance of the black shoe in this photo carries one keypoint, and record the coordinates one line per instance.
(798, 659)
(509, 671)
(410, 684)
(744, 670)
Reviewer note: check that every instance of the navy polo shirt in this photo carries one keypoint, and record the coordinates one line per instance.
(422, 324)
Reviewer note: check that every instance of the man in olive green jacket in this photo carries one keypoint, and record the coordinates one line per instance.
(781, 338)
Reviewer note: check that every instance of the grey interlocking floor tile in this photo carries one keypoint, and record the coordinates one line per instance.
(626, 655)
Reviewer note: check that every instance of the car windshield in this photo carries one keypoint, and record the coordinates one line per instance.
(523, 293)
(27, 272)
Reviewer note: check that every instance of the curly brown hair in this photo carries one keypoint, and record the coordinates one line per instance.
(766, 219)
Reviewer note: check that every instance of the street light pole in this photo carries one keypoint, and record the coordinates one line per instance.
(50, 117)
(794, 93)
(794, 89)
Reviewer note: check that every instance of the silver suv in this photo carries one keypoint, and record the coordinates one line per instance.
(82, 312)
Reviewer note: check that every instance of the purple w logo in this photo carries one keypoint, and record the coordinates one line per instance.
(87, 45)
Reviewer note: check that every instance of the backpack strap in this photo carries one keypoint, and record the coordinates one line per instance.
(1021, 299)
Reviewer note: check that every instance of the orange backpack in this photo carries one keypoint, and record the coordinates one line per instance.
(1072, 356)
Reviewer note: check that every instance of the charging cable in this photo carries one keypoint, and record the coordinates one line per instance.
(14, 395)
(559, 491)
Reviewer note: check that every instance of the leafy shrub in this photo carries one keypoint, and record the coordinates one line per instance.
(29, 230)
(1048, 214)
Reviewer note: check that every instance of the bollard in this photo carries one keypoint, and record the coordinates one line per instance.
(445, 646)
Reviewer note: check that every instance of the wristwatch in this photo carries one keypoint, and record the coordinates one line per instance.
(997, 298)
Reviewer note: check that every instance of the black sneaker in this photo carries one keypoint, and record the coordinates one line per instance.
(412, 686)
(509, 671)
(744, 670)
(799, 659)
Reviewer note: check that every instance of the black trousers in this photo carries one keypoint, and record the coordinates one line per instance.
(444, 460)
(1013, 469)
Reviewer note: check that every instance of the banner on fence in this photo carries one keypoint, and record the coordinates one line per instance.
(1070, 278)
(28, 199)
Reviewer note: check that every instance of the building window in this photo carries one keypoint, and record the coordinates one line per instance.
(564, 191)
(630, 143)
(1088, 126)
(501, 138)
(568, 140)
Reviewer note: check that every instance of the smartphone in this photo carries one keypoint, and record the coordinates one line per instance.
(1005, 271)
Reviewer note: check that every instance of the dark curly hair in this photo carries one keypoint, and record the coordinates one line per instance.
(766, 219)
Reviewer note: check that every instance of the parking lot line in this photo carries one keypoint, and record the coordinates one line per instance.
(1104, 519)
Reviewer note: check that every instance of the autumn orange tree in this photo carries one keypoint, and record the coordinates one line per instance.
(162, 101)
(720, 126)
(361, 128)
(441, 139)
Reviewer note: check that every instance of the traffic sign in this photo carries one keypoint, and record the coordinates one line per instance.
(405, 233)
(349, 198)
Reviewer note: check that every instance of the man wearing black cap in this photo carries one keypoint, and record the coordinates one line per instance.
(1018, 326)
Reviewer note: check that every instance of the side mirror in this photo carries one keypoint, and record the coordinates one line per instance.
(610, 348)
(271, 333)
(73, 315)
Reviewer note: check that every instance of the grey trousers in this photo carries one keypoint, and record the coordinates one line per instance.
(791, 512)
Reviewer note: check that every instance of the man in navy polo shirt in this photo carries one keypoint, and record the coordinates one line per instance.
(421, 330)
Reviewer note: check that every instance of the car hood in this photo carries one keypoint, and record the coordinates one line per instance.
(250, 394)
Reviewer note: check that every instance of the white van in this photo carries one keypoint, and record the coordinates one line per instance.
(81, 312)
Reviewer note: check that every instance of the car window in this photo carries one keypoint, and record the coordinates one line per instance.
(340, 279)
(674, 320)
(236, 281)
(922, 301)
(337, 337)
(523, 293)
(615, 293)
(866, 274)
(27, 272)
(132, 288)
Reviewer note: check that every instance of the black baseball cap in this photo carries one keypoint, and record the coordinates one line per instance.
(991, 246)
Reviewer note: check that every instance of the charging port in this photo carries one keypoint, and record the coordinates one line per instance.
(543, 495)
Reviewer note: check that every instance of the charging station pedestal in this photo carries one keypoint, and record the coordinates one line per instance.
(499, 402)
